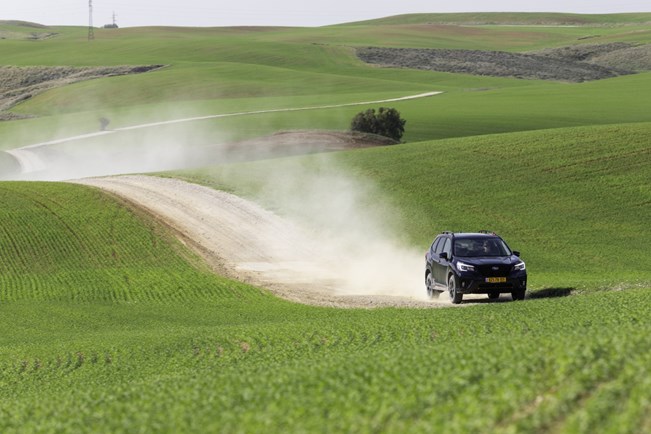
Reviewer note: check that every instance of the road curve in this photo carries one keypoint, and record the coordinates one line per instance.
(244, 241)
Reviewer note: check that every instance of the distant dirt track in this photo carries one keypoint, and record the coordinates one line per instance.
(243, 241)
(30, 160)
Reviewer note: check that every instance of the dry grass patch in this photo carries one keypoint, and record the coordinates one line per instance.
(18, 84)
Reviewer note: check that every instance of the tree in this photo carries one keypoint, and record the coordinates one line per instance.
(386, 122)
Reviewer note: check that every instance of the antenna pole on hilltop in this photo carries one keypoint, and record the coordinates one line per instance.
(115, 25)
(91, 31)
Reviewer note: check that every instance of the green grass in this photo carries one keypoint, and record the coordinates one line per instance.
(115, 327)
(17, 30)
(239, 367)
(199, 353)
(477, 107)
(71, 243)
(478, 37)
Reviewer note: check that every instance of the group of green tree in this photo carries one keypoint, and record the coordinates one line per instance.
(385, 122)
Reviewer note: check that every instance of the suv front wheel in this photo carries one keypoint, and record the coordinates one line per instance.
(455, 296)
(517, 294)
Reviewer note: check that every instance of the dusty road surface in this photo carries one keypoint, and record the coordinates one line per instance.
(29, 161)
(244, 241)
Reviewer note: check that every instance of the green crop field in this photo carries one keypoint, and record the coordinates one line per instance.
(107, 329)
(111, 324)
(575, 364)
(64, 242)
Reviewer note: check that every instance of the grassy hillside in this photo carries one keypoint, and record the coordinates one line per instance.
(109, 328)
(22, 30)
(521, 18)
(572, 364)
(70, 243)
(221, 70)
(470, 106)
(576, 201)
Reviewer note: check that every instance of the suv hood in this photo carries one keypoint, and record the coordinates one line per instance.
(488, 260)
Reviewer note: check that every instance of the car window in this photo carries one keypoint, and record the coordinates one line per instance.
(439, 245)
(447, 247)
(475, 247)
(432, 248)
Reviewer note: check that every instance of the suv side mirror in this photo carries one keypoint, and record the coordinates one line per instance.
(516, 253)
(444, 255)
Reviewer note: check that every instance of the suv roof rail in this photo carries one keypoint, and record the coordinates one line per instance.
(447, 232)
(487, 232)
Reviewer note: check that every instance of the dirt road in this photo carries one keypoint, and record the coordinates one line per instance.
(31, 160)
(242, 240)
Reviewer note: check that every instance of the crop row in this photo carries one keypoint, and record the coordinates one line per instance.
(68, 242)
(574, 364)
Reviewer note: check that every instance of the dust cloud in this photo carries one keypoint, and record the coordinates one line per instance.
(172, 139)
(111, 152)
(353, 233)
(352, 238)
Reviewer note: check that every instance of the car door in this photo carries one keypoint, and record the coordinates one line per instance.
(440, 274)
(431, 254)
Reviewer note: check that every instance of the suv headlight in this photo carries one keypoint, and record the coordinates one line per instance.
(520, 266)
(465, 267)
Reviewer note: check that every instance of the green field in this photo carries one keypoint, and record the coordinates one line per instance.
(90, 347)
(574, 364)
(113, 325)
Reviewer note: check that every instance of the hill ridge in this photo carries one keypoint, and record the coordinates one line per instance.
(513, 18)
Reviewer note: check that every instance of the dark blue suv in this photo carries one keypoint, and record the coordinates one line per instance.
(473, 263)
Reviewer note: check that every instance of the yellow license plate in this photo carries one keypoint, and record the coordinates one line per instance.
(496, 279)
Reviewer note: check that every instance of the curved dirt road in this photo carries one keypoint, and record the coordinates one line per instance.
(30, 160)
(246, 242)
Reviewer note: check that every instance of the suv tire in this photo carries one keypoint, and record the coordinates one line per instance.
(517, 294)
(455, 296)
(429, 283)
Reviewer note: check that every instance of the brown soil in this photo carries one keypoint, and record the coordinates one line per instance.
(620, 55)
(574, 64)
(297, 142)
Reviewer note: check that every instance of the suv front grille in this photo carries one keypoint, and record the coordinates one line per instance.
(489, 270)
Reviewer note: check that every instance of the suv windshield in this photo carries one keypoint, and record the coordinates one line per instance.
(474, 247)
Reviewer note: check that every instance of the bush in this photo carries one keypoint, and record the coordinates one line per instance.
(386, 122)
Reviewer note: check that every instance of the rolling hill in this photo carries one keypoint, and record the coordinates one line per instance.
(219, 70)
(111, 323)
(516, 18)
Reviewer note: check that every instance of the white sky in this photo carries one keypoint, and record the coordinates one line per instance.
(279, 12)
